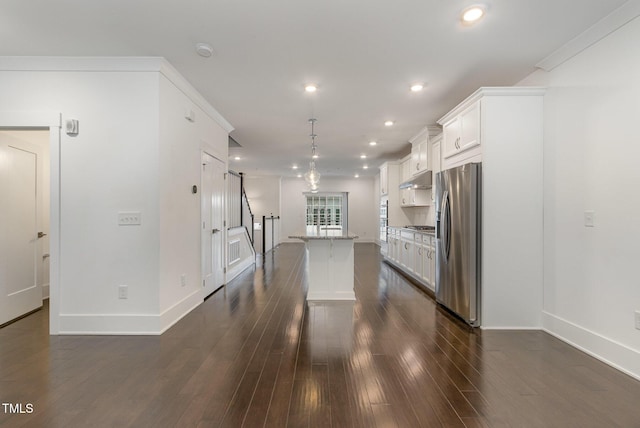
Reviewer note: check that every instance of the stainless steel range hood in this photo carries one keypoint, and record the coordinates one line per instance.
(423, 180)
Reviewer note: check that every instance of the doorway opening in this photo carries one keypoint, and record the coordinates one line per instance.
(49, 123)
(24, 221)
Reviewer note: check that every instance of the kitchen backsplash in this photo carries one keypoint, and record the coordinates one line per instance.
(422, 215)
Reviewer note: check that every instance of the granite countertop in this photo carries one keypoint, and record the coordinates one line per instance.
(424, 232)
(325, 234)
(431, 232)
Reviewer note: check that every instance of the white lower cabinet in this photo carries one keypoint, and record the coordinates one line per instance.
(431, 256)
(418, 255)
(393, 245)
(407, 258)
(414, 253)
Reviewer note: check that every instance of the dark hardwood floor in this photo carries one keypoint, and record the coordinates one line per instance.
(256, 354)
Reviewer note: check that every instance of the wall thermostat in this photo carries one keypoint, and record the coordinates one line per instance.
(72, 126)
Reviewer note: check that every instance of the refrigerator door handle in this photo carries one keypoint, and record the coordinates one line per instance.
(445, 226)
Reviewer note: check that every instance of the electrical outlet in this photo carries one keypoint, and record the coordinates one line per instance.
(183, 280)
(123, 291)
(638, 320)
(131, 218)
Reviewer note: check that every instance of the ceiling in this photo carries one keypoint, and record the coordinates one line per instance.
(363, 55)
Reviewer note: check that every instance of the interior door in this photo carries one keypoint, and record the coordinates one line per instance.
(19, 290)
(213, 223)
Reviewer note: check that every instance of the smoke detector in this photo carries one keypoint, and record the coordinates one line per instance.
(204, 50)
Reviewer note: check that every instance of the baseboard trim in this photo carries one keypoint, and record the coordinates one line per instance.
(176, 312)
(128, 324)
(615, 354)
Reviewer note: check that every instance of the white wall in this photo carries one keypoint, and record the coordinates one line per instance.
(591, 152)
(363, 208)
(116, 163)
(180, 154)
(264, 195)
(110, 166)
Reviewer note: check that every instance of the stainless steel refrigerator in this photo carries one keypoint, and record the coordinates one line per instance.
(458, 240)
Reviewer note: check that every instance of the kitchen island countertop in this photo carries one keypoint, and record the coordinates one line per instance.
(324, 235)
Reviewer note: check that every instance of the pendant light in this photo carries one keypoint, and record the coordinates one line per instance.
(312, 177)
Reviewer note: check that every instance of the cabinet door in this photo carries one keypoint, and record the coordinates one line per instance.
(405, 197)
(423, 164)
(418, 250)
(432, 265)
(435, 166)
(435, 158)
(450, 137)
(407, 255)
(406, 170)
(470, 127)
(415, 158)
(384, 180)
(426, 265)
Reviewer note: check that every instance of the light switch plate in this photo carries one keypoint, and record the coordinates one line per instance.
(123, 291)
(131, 218)
(589, 218)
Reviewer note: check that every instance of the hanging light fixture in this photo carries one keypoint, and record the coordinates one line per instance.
(312, 177)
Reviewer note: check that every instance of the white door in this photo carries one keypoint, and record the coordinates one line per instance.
(19, 290)
(213, 223)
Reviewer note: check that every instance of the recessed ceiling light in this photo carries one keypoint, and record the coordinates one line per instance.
(204, 49)
(372, 143)
(417, 87)
(310, 87)
(299, 175)
(295, 167)
(357, 175)
(389, 123)
(363, 156)
(365, 167)
(237, 158)
(472, 14)
(315, 156)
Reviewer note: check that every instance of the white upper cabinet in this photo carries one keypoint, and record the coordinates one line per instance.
(436, 154)
(414, 197)
(420, 152)
(384, 179)
(461, 133)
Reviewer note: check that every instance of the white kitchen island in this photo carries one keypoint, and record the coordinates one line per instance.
(329, 265)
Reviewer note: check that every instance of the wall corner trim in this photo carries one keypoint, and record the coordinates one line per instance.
(598, 31)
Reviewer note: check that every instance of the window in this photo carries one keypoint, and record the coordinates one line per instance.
(326, 212)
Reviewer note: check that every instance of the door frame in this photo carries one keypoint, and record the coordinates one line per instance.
(223, 245)
(53, 122)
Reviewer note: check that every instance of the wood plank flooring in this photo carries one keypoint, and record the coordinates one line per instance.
(256, 354)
